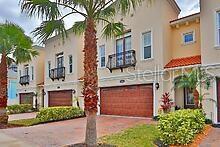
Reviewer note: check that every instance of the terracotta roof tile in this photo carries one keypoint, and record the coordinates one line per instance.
(184, 61)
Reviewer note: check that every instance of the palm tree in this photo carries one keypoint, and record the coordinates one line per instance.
(194, 80)
(14, 46)
(95, 12)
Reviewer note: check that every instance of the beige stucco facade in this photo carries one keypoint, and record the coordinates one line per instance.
(35, 82)
(210, 48)
(72, 46)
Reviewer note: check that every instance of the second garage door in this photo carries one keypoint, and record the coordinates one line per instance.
(60, 98)
(134, 101)
(26, 98)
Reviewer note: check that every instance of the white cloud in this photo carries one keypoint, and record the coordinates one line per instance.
(188, 7)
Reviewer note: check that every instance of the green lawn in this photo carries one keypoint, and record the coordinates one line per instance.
(25, 122)
(142, 135)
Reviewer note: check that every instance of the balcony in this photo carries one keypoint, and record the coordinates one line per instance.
(57, 73)
(24, 80)
(121, 60)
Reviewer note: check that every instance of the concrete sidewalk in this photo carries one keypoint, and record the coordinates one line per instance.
(22, 116)
(8, 141)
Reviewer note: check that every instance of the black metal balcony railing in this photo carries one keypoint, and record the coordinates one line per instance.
(24, 80)
(121, 60)
(57, 73)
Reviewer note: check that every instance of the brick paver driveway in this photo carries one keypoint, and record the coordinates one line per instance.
(213, 139)
(70, 131)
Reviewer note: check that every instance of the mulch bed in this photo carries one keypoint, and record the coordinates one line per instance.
(199, 138)
(2, 126)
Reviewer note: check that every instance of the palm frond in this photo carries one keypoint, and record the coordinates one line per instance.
(49, 28)
(41, 8)
(79, 27)
(24, 55)
(113, 29)
(124, 6)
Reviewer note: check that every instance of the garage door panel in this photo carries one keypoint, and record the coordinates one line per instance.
(60, 98)
(128, 101)
(26, 98)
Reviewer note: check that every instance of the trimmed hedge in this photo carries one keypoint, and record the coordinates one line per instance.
(58, 113)
(180, 127)
(22, 108)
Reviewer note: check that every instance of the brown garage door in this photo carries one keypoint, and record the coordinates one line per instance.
(127, 101)
(26, 98)
(60, 98)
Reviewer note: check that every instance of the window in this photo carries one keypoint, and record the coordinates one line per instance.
(188, 37)
(49, 67)
(123, 45)
(26, 70)
(102, 55)
(70, 64)
(147, 45)
(218, 28)
(60, 62)
(32, 73)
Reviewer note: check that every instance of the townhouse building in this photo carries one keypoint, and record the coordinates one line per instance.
(63, 71)
(31, 78)
(136, 68)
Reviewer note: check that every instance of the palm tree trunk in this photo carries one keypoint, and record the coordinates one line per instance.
(90, 82)
(196, 97)
(3, 90)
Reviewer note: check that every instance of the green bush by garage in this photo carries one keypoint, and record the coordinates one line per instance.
(58, 113)
(180, 127)
(21, 108)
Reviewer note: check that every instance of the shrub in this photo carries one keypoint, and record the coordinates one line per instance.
(180, 127)
(22, 108)
(208, 121)
(58, 113)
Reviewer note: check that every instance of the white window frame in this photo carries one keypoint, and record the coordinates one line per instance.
(142, 45)
(186, 33)
(217, 29)
(100, 61)
(70, 64)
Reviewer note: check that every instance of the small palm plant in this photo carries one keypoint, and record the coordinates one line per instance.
(197, 78)
(14, 46)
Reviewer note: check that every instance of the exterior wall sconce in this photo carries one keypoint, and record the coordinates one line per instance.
(73, 91)
(157, 86)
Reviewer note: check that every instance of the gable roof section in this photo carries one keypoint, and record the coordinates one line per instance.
(186, 61)
(174, 5)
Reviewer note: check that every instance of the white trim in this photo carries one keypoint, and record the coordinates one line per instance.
(154, 99)
(117, 77)
(182, 67)
(142, 45)
(215, 119)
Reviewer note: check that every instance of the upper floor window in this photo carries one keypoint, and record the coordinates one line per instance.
(26, 70)
(189, 37)
(123, 44)
(70, 64)
(32, 73)
(102, 55)
(147, 45)
(49, 67)
(60, 60)
(218, 28)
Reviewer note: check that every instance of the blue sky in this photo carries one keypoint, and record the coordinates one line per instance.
(10, 10)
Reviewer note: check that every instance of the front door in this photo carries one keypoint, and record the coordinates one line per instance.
(188, 99)
(218, 98)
